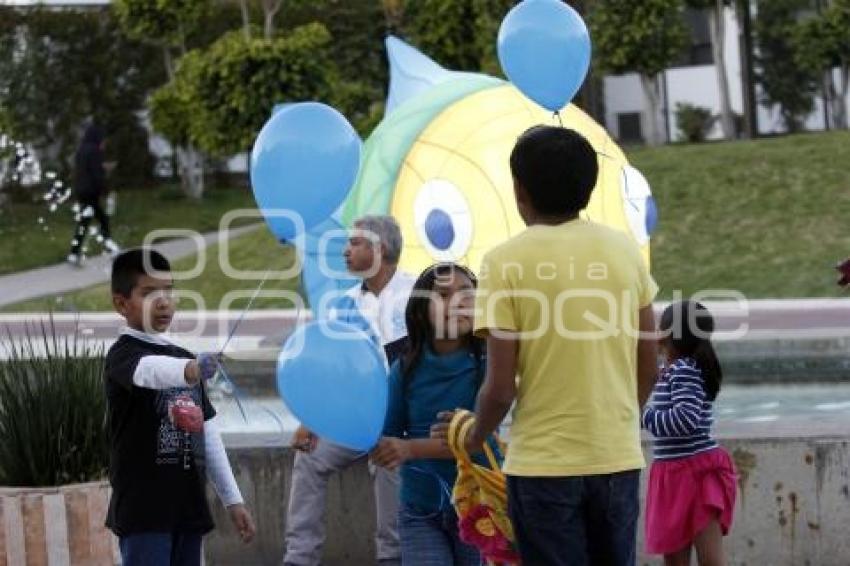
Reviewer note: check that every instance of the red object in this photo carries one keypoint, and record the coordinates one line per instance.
(844, 269)
(477, 529)
(685, 495)
(185, 415)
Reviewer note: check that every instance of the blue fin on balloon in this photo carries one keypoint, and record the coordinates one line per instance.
(323, 270)
(412, 72)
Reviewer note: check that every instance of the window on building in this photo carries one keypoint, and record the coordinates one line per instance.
(698, 49)
(628, 125)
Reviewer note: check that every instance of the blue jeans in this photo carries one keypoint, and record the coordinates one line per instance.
(432, 539)
(576, 521)
(161, 549)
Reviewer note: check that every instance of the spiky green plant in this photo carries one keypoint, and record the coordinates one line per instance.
(52, 409)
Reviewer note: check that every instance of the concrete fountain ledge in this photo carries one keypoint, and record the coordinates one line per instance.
(793, 506)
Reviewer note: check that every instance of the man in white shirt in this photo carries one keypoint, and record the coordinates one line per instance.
(377, 305)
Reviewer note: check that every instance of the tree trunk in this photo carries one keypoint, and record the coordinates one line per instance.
(270, 9)
(650, 90)
(839, 99)
(169, 62)
(717, 29)
(268, 25)
(246, 18)
(828, 88)
(393, 10)
(191, 165)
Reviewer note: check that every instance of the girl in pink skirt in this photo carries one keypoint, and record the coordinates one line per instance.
(692, 483)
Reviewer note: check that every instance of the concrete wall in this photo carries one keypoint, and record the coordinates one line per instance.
(793, 507)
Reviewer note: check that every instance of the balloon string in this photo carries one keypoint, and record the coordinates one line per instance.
(238, 396)
(245, 310)
(234, 390)
(558, 116)
(445, 489)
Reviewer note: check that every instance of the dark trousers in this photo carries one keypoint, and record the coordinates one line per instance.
(161, 549)
(81, 231)
(575, 521)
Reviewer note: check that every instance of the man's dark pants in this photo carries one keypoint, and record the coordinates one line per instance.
(576, 521)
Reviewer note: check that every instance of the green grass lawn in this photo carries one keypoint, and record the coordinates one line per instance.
(26, 245)
(767, 217)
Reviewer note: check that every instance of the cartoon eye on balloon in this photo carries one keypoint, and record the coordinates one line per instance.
(443, 220)
(641, 211)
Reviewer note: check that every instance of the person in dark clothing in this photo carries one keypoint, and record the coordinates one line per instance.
(89, 187)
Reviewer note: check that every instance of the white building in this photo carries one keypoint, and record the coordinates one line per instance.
(695, 82)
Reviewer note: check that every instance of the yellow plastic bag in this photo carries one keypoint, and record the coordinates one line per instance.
(480, 498)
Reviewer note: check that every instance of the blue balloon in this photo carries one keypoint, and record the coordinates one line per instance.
(544, 49)
(304, 161)
(333, 379)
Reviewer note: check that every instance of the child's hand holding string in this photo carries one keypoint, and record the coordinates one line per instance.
(204, 367)
(391, 453)
(440, 429)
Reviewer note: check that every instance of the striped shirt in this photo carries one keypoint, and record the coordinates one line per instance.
(679, 412)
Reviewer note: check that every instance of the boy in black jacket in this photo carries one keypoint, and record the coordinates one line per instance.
(163, 441)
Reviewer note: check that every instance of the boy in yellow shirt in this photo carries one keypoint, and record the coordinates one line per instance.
(561, 306)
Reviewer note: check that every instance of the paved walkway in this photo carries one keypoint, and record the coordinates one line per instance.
(62, 278)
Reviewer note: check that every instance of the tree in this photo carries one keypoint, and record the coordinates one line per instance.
(222, 95)
(458, 34)
(61, 67)
(167, 24)
(822, 44)
(358, 28)
(717, 32)
(445, 30)
(644, 37)
(488, 18)
(783, 81)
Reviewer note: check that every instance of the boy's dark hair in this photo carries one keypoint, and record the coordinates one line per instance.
(687, 328)
(129, 265)
(557, 167)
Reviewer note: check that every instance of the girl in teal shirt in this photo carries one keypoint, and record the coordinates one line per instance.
(440, 370)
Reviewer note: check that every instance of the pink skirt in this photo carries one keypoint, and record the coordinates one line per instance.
(685, 495)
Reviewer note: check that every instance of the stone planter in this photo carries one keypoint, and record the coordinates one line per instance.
(56, 526)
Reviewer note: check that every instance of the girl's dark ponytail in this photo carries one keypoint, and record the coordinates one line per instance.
(707, 361)
(688, 327)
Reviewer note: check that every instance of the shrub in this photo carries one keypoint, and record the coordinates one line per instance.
(694, 122)
(52, 410)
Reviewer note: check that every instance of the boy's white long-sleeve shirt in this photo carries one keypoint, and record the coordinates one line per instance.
(165, 372)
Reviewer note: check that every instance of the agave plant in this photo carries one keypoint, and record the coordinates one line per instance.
(52, 409)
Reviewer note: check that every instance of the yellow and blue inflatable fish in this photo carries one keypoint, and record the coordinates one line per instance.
(439, 163)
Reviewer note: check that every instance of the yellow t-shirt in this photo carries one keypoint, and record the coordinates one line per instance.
(573, 291)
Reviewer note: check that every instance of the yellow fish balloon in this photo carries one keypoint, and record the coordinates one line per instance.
(439, 163)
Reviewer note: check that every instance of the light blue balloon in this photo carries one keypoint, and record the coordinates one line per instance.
(304, 161)
(332, 377)
(544, 49)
